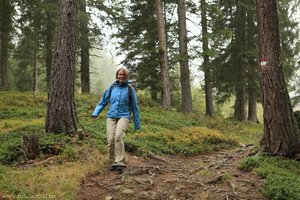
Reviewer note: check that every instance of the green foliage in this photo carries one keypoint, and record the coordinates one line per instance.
(297, 116)
(10, 148)
(53, 144)
(281, 176)
(163, 132)
(69, 153)
(159, 128)
(289, 37)
(182, 141)
(249, 164)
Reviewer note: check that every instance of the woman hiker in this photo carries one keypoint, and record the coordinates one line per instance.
(122, 100)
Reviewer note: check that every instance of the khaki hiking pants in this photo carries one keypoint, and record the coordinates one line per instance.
(116, 129)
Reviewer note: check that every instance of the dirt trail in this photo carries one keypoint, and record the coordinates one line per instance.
(211, 176)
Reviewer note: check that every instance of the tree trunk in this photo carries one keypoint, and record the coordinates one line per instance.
(252, 74)
(207, 71)
(84, 49)
(281, 133)
(5, 28)
(35, 72)
(239, 60)
(252, 112)
(31, 146)
(49, 41)
(166, 98)
(184, 61)
(240, 102)
(61, 116)
(154, 96)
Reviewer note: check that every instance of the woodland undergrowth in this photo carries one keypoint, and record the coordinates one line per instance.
(64, 160)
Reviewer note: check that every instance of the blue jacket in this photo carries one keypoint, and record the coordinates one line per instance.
(119, 104)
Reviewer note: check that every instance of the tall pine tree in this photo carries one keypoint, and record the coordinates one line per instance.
(61, 112)
(281, 133)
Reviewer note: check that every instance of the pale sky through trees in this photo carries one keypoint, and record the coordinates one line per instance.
(110, 45)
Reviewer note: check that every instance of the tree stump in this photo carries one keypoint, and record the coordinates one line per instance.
(31, 146)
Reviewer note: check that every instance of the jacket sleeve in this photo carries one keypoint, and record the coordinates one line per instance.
(102, 103)
(136, 112)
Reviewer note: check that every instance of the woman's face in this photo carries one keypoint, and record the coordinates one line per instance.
(121, 77)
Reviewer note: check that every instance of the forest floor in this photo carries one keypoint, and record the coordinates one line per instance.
(207, 176)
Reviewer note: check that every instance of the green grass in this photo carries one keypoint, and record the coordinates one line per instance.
(71, 158)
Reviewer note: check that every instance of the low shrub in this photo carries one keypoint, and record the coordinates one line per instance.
(249, 164)
(281, 176)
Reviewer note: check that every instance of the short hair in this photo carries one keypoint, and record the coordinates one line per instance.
(125, 70)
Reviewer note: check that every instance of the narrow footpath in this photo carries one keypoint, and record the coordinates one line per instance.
(208, 176)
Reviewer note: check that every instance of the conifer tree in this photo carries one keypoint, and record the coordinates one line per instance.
(61, 112)
(281, 133)
(186, 96)
(7, 9)
(166, 99)
(206, 65)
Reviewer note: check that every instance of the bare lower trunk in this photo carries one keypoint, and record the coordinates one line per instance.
(84, 51)
(207, 71)
(5, 27)
(61, 112)
(4, 62)
(49, 41)
(252, 111)
(166, 98)
(154, 96)
(240, 111)
(35, 73)
(184, 60)
(252, 72)
(281, 133)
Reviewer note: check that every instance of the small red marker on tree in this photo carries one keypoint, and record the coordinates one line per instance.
(263, 61)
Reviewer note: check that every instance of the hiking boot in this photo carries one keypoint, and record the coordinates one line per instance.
(117, 167)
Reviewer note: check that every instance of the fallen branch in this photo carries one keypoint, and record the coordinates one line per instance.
(246, 181)
(232, 186)
(148, 170)
(40, 163)
(196, 170)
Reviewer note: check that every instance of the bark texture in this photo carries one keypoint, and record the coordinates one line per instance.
(239, 60)
(163, 53)
(49, 41)
(61, 115)
(31, 146)
(184, 61)
(240, 103)
(6, 12)
(281, 133)
(35, 72)
(206, 67)
(84, 49)
(252, 110)
(252, 72)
